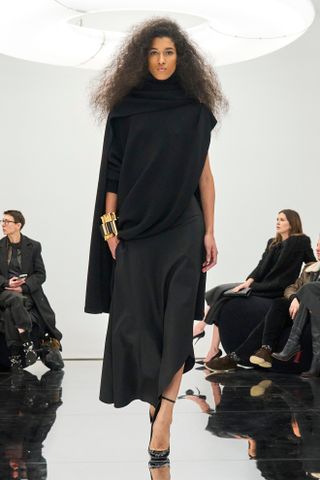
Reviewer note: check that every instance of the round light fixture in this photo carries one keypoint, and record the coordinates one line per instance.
(85, 33)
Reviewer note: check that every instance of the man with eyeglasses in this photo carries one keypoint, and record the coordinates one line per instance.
(27, 321)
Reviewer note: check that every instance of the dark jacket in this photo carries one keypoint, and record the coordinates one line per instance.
(280, 265)
(32, 264)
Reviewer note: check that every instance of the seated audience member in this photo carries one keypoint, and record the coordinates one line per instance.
(24, 308)
(307, 299)
(281, 314)
(279, 267)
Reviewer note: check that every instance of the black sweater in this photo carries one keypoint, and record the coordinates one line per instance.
(280, 265)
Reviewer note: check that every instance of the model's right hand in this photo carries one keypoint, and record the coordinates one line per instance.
(294, 307)
(113, 242)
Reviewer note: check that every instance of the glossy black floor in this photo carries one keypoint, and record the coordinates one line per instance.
(242, 425)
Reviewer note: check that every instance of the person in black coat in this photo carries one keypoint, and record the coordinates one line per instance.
(24, 308)
(279, 267)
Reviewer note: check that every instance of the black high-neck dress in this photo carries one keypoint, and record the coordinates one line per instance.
(159, 142)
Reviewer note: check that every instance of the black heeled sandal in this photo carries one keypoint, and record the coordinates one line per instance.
(153, 464)
(198, 336)
(158, 455)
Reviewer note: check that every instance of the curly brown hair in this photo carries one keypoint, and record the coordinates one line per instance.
(129, 68)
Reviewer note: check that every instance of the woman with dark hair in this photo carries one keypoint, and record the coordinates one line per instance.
(279, 266)
(157, 190)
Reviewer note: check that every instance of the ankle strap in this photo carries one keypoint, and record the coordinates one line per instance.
(168, 399)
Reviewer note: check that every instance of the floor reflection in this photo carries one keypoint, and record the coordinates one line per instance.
(244, 425)
(159, 472)
(28, 408)
(276, 416)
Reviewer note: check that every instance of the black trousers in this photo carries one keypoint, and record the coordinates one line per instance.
(14, 314)
(268, 331)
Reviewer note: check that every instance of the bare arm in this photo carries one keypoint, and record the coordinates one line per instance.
(111, 202)
(207, 194)
(111, 206)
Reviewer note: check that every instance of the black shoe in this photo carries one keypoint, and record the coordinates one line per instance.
(292, 347)
(30, 355)
(52, 359)
(226, 364)
(289, 351)
(315, 365)
(262, 357)
(50, 354)
(198, 337)
(158, 455)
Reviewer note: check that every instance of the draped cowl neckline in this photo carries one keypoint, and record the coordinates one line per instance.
(152, 83)
(152, 95)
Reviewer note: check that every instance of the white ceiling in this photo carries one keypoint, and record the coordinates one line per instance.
(85, 33)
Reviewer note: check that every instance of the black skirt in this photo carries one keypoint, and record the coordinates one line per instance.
(149, 335)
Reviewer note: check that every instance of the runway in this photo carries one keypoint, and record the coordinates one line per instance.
(244, 425)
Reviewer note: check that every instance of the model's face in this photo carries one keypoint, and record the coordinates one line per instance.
(9, 227)
(162, 58)
(318, 250)
(283, 226)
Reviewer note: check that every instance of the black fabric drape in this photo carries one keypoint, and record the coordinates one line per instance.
(165, 140)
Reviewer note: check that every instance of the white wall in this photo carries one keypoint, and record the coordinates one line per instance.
(265, 157)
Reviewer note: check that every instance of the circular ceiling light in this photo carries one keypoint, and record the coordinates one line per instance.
(85, 33)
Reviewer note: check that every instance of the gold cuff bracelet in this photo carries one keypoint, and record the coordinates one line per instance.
(108, 226)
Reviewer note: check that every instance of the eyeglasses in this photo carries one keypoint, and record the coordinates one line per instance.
(5, 222)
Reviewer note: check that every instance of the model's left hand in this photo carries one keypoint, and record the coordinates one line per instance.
(211, 252)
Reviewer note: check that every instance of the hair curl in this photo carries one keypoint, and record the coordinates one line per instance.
(129, 68)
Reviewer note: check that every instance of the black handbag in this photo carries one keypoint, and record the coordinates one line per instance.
(245, 292)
